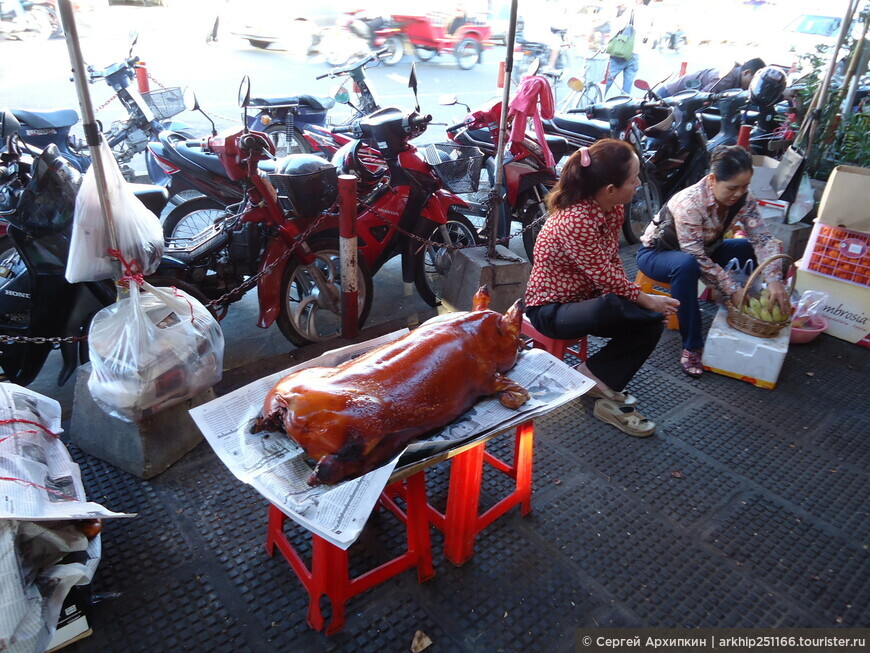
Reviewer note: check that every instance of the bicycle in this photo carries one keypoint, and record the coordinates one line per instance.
(583, 92)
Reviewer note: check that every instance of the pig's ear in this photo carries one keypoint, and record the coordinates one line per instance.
(480, 301)
(511, 322)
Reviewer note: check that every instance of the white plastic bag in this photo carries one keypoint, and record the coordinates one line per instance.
(810, 304)
(151, 350)
(137, 230)
(741, 274)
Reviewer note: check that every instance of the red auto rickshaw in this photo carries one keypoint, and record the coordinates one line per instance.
(431, 34)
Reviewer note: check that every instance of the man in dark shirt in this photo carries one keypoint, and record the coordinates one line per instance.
(711, 79)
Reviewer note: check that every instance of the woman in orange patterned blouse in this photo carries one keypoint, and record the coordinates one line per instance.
(685, 243)
(578, 286)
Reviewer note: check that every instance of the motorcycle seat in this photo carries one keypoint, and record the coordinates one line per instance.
(580, 125)
(310, 101)
(558, 146)
(480, 138)
(153, 197)
(195, 155)
(47, 119)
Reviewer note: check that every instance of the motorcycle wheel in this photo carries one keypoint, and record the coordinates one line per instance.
(425, 54)
(637, 217)
(395, 46)
(296, 144)
(304, 316)
(468, 53)
(434, 262)
(531, 212)
(189, 219)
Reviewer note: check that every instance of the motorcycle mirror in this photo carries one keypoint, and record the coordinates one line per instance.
(641, 84)
(341, 95)
(412, 83)
(245, 92)
(190, 101)
(134, 39)
(448, 100)
(9, 124)
(575, 84)
(534, 67)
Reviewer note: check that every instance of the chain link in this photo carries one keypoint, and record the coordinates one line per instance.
(235, 294)
(40, 340)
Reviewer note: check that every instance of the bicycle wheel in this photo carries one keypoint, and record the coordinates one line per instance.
(637, 214)
(295, 144)
(579, 100)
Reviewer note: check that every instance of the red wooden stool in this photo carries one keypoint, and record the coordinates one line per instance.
(329, 575)
(554, 346)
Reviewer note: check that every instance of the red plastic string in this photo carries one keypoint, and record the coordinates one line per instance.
(37, 485)
(189, 303)
(132, 270)
(26, 421)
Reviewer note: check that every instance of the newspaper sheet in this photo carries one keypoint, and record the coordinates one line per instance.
(276, 467)
(40, 490)
(38, 478)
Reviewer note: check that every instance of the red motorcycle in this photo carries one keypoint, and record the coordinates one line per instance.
(431, 35)
(282, 237)
(404, 206)
(527, 177)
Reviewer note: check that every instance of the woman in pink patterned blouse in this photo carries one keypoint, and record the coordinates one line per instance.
(685, 242)
(578, 286)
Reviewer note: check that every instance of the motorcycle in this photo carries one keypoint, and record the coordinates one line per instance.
(34, 21)
(287, 119)
(527, 177)
(405, 207)
(39, 309)
(282, 236)
(147, 115)
(463, 38)
(353, 35)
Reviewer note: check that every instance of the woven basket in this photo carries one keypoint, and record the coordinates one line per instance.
(739, 319)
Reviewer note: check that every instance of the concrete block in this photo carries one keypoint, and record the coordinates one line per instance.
(506, 278)
(145, 448)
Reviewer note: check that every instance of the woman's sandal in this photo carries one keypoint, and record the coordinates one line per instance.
(625, 418)
(690, 363)
(619, 397)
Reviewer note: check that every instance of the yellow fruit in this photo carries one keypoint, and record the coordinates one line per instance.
(765, 315)
(765, 292)
(754, 304)
(777, 314)
(765, 302)
(751, 312)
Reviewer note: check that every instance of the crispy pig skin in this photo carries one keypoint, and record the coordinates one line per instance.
(357, 416)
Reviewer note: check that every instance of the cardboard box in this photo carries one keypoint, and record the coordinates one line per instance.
(848, 307)
(846, 200)
(840, 253)
(72, 623)
(742, 356)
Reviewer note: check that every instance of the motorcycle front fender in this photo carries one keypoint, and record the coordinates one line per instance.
(269, 285)
(439, 204)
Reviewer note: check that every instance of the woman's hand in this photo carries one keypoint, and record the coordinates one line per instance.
(779, 296)
(659, 303)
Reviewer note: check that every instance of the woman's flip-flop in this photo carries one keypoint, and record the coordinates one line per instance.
(690, 363)
(619, 397)
(625, 418)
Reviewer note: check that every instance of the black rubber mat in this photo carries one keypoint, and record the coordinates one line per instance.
(748, 508)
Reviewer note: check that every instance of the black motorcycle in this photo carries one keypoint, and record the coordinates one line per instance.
(39, 309)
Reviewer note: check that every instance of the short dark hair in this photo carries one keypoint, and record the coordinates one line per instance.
(609, 163)
(752, 66)
(728, 161)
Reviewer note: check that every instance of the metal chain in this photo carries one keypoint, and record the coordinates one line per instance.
(107, 102)
(40, 340)
(499, 241)
(238, 292)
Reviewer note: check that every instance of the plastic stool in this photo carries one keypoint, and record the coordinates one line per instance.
(329, 575)
(646, 285)
(555, 346)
